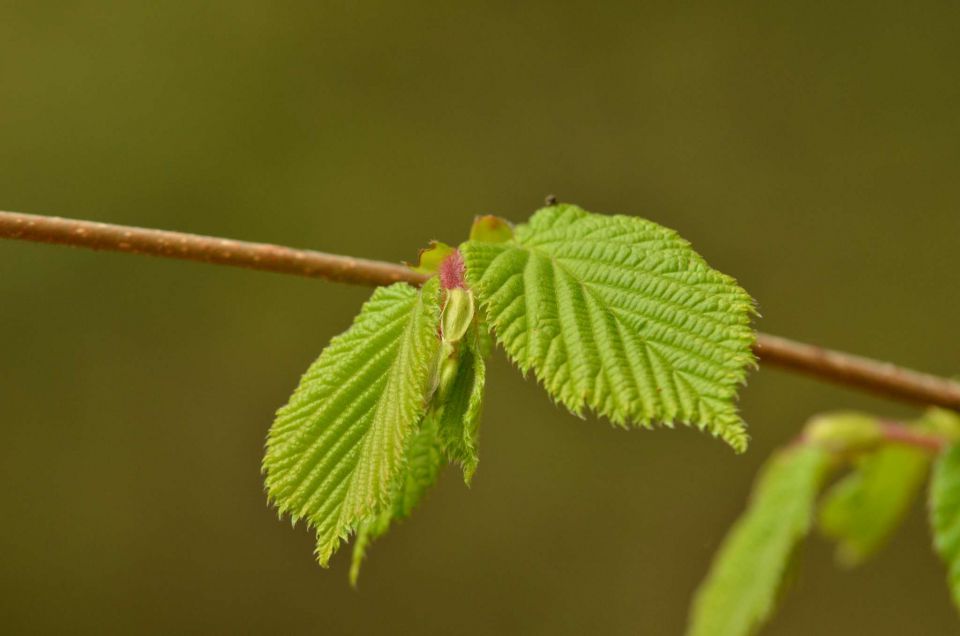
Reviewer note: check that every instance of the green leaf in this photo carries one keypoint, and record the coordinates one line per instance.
(337, 447)
(742, 587)
(620, 315)
(945, 515)
(862, 510)
(423, 461)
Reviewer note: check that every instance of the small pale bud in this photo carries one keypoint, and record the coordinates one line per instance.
(457, 314)
(844, 432)
(491, 229)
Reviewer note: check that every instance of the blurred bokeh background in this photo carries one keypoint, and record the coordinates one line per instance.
(812, 150)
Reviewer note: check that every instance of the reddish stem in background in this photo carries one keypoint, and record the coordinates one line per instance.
(896, 433)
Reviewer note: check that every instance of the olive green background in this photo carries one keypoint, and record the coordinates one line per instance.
(812, 150)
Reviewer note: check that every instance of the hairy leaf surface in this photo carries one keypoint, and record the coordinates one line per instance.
(620, 315)
(945, 515)
(459, 415)
(336, 449)
(863, 509)
(741, 589)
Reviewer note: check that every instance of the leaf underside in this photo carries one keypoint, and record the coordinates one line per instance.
(335, 450)
(742, 587)
(619, 315)
(863, 509)
(945, 515)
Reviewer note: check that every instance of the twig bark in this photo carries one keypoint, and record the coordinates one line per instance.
(878, 377)
(884, 378)
(206, 249)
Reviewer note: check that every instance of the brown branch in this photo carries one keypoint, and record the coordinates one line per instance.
(207, 249)
(879, 377)
(884, 378)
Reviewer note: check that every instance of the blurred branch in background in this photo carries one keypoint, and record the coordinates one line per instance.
(883, 378)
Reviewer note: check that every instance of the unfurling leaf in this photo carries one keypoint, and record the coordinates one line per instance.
(741, 589)
(430, 258)
(863, 509)
(620, 315)
(336, 449)
(945, 515)
(459, 415)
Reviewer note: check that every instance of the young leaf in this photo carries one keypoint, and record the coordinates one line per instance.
(862, 510)
(429, 258)
(460, 413)
(741, 589)
(945, 515)
(422, 463)
(620, 315)
(336, 448)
